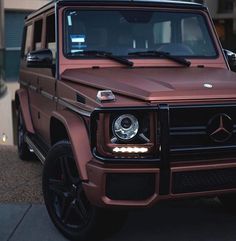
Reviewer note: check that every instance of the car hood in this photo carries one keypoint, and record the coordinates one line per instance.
(159, 84)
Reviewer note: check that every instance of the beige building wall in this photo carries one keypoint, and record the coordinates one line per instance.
(213, 6)
(24, 5)
(6, 127)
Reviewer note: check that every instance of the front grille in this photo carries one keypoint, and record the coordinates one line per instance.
(202, 181)
(130, 186)
(189, 130)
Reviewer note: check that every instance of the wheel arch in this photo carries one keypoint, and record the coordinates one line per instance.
(67, 125)
(58, 131)
(22, 102)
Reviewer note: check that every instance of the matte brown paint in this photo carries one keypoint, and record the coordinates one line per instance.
(79, 139)
(159, 84)
(95, 188)
(149, 83)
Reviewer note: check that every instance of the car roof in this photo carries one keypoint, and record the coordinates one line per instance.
(161, 2)
(156, 1)
(164, 3)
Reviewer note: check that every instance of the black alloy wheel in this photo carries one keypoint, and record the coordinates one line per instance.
(66, 201)
(22, 147)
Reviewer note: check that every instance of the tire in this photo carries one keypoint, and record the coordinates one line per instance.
(66, 203)
(229, 202)
(22, 147)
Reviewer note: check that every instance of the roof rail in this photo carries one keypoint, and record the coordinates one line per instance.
(183, 3)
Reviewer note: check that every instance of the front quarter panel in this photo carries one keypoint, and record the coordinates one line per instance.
(79, 138)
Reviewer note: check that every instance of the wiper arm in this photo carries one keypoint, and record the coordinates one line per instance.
(166, 55)
(104, 54)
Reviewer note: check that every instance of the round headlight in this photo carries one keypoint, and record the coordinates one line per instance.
(125, 127)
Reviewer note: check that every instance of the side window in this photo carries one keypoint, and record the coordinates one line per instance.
(28, 38)
(38, 27)
(50, 34)
(162, 32)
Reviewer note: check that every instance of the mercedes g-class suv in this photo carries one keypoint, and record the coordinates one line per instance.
(126, 103)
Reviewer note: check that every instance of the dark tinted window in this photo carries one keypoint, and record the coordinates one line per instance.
(50, 34)
(38, 27)
(126, 31)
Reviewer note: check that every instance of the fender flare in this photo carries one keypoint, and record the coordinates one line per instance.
(22, 101)
(79, 138)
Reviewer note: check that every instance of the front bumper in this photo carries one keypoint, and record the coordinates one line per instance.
(140, 186)
(190, 162)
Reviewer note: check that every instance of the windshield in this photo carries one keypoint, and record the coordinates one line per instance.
(122, 32)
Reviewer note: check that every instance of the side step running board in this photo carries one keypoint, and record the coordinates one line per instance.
(35, 147)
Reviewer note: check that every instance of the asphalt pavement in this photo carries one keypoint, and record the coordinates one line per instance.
(23, 216)
(20, 181)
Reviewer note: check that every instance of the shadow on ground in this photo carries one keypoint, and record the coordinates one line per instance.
(191, 220)
(184, 220)
(199, 220)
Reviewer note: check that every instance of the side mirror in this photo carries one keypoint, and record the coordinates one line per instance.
(231, 57)
(40, 59)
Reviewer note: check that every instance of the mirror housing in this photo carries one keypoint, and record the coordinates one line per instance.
(40, 59)
(231, 58)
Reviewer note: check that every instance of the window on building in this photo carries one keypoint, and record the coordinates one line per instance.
(38, 27)
(50, 34)
(226, 6)
(28, 39)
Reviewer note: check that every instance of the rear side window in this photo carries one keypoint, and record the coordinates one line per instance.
(28, 39)
(50, 34)
(38, 27)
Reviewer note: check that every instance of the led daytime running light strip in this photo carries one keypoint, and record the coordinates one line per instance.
(130, 149)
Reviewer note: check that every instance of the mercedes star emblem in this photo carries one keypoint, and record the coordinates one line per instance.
(220, 128)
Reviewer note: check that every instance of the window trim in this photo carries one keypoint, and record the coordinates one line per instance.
(23, 43)
(31, 24)
(48, 15)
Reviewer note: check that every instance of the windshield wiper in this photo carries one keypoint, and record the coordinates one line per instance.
(161, 54)
(104, 54)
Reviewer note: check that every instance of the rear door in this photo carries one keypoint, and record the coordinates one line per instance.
(40, 34)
